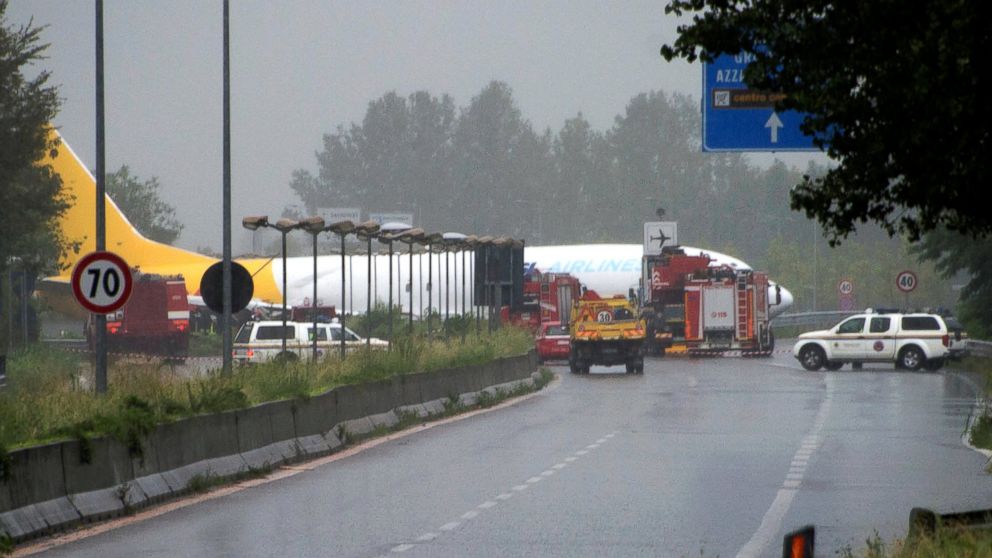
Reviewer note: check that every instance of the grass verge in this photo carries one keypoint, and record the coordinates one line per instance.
(946, 541)
(49, 392)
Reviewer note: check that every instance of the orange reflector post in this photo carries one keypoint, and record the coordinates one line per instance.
(799, 544)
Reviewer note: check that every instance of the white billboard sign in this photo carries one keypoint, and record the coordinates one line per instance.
(335, 214)
(405, 218)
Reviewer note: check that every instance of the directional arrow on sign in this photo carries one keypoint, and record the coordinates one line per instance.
(774, 123)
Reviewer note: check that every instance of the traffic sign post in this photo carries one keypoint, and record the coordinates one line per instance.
(736, 118)
(101, 283)
(906, 282)
(845, 287)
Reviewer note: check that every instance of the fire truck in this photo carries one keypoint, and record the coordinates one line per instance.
(689, 305)
(155, 320)
(547, 298)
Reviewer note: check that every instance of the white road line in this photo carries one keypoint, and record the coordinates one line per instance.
(547, 473)
(449, 526)
(521, 487)
(771, 523)
(601, 440)
(794, 476)
(559, 466)
(610, 435)
(487, 504)
(570, 459)
(581, 452)
(504, 496)
(401, 548)
(471, 514)
(427, 537)
(533, 480)
(592, 446)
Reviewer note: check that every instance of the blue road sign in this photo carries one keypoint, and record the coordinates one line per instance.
(739, 119)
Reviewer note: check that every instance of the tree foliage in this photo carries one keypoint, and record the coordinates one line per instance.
(894, 92)
(955, 254)
(29, 193)
(142, 205)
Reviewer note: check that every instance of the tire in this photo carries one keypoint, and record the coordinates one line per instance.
(812, 358)
(857, 365)
(833, 365)
(631, 367)
(911, 358)
(639, 366)
(934, 364)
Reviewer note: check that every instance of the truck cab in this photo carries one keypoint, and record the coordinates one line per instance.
(605, 331)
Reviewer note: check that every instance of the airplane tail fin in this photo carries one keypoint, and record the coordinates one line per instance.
(78, 224)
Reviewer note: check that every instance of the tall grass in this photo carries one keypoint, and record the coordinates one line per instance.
(946, 541)
(50, 392)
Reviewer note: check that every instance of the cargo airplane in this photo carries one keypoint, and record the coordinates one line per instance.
(606, 268)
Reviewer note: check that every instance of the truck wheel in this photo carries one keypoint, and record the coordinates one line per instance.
(812, 357)
(572, 367)
(911, 358)
(639, 366)
(286, 357)
(631, 367)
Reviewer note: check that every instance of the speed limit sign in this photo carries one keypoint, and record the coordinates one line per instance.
(845, 287)
(101, 282)
(906, 281)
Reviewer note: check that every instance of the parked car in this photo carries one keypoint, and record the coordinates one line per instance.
(910, 341)
(552, 342)
(261, 341)
(959, 339)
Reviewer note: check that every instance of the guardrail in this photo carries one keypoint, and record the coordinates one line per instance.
(979, 348)
(811, 319)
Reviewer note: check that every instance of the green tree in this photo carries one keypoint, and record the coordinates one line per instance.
(894, 91)
(142, 205)
(954, 254)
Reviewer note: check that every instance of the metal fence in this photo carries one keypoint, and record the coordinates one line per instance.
(979, 348)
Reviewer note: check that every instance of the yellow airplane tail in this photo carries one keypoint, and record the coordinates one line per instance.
(78, 225)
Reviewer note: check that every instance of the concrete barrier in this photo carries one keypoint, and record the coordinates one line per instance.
(54, 486)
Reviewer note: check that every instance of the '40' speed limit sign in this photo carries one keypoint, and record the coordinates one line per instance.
(101, 282)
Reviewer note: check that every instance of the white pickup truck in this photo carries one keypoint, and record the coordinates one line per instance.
(262, 341)
(910, 341)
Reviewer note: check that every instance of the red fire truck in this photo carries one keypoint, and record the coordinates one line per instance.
(547, 298)
(154, 321)
(704, 309)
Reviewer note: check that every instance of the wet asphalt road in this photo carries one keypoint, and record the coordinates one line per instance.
(713, 457)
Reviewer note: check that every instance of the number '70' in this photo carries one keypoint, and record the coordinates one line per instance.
(111, 281)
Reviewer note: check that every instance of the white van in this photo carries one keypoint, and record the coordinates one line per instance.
(262, 341)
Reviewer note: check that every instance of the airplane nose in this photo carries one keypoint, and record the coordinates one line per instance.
(783, 295)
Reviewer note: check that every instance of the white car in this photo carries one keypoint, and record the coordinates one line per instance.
(263, 341)
(910, 341)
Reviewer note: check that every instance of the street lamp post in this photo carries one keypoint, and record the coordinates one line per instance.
(411, 237)
(283, 226)
(314, 226)
(342, 229)
(367, 231)
(389, 233)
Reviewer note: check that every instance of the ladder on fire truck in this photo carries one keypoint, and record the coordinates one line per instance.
(742, 306)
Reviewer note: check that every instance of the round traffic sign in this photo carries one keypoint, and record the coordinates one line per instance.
(906, 281)
(846, 287)
(101, 282)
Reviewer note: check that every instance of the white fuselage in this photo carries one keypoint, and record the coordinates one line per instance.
(606, 268)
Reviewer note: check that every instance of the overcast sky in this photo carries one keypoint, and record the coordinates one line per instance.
(301, 68)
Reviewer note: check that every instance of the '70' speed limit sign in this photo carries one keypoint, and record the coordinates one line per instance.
(101, 282)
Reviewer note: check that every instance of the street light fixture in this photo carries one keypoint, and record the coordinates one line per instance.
(342, 229)
(314, 226)
(431, 240)
(388, 232)
(284, 226)
(411, 237)
(367, 231)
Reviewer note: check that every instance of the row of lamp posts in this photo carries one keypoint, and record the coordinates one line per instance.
(387, 233)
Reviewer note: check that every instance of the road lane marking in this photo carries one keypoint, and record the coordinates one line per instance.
(533, 480)
(601, 440)
(592, 446)
(581, 452)
(547, 473)
(559, 466)
(771, 523)
(427, 537)
(471, 514)
(570, 458)
(487, 504)
(401, 548)
(504, 496)
(521, 487)
(450, 526)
